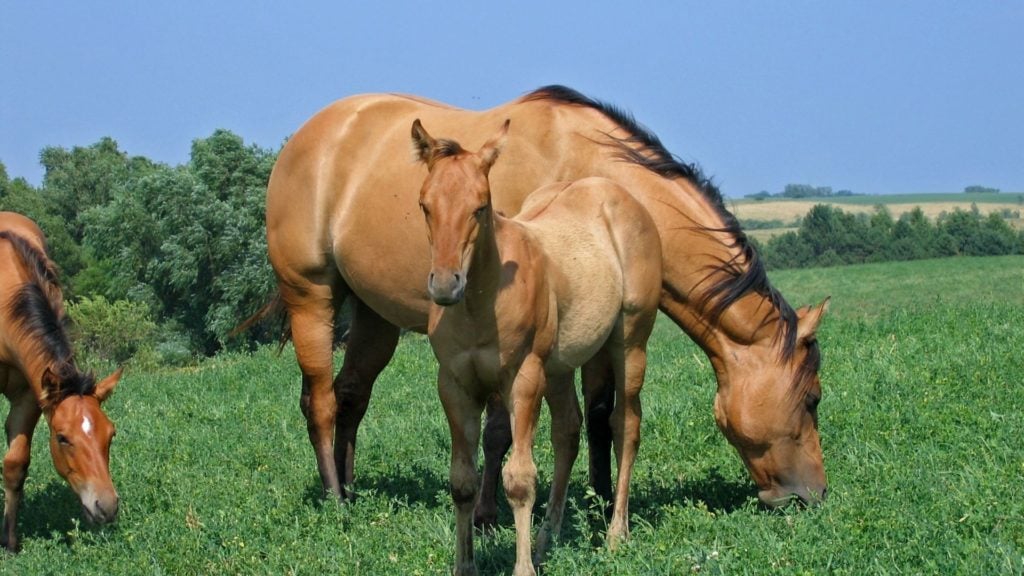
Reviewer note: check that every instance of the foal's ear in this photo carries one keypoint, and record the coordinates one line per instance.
(105, 387)
(422, 143)
(808, 320)
(490, 151)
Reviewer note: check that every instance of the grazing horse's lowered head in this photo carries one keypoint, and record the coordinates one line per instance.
(80, 437)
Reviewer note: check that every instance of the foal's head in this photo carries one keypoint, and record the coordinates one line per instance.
(456, 202)
(80, 436)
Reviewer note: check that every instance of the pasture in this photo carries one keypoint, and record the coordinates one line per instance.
(920, 424)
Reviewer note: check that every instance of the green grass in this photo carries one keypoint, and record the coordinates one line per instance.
(921, 424)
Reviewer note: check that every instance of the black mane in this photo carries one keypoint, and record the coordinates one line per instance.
(730, 279)
(33, 308)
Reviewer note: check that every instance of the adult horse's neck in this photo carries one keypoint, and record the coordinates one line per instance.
(714, 285)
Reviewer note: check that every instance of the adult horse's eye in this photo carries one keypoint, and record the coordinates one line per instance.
(63, 440)
(479, 212)
(812, 401)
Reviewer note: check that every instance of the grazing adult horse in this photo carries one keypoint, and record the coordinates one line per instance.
(342, 224)
(519, 304)
(39, 377)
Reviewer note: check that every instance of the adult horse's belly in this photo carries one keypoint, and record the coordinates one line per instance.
(381, 251)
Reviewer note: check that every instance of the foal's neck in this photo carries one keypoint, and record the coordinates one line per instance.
(483, 279)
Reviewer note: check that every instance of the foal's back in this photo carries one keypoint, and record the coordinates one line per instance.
(605, 260)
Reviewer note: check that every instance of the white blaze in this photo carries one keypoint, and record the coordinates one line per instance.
(86, 425)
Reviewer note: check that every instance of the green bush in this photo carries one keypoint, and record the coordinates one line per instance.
(112, 331)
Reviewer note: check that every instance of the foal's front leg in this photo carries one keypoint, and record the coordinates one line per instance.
(520, 473)
(463, 413)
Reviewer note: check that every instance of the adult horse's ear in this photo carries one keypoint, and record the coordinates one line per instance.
(423, 144)
(50, 388)
(105, 387)
(808, 320)
(490, 151)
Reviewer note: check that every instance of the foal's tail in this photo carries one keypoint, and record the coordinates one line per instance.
(275, 309)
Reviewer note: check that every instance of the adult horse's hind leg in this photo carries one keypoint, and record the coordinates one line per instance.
(21, 423)
(311, 312)
(371, 344)
(497, 441)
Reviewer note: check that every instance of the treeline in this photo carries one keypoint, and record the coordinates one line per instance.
(827, 236)
(801, 191)
(157, 261)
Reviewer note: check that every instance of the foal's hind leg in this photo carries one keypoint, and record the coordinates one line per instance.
(629, 360)
(371, 344)
(565, 438)
(21, 423)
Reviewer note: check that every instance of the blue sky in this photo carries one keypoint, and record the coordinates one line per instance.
(871, 96)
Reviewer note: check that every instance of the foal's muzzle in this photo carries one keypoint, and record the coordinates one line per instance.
(446, 288)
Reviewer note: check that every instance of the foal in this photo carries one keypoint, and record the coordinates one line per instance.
(518, 305)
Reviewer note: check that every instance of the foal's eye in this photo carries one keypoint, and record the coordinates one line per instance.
(479, 212)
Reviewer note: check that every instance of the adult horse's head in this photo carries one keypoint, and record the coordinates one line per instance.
(769, 412)
(456, 202)
(80, 436)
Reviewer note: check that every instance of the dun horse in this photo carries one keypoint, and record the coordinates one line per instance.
(39, 377)
(341, 224)
(519, 304)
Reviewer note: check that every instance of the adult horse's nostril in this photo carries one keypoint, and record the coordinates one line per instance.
(458, 277)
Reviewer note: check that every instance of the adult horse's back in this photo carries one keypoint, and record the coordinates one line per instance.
(342, 223)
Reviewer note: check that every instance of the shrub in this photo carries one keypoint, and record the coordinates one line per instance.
(112, 331)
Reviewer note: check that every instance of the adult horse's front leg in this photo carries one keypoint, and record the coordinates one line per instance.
(371, 344)
(21, 422)
(598, 379)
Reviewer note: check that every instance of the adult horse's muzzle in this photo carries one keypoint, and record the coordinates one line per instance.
(780, 496)
(446, 287)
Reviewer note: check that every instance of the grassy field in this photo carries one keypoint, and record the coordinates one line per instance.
(788, 211)
(921, 425)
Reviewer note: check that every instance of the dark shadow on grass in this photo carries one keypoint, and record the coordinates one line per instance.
(53, 510)
(718, 493)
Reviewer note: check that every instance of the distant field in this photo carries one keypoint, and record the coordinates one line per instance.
(933, 205)
(921, 423)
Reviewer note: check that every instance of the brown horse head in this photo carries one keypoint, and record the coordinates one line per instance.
(80, 436)
(769, 412)
(456, 202)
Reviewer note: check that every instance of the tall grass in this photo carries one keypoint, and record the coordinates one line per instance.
(921, 422)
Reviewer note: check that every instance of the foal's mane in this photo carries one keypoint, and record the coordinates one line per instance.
(730, 278)
(38, 309)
